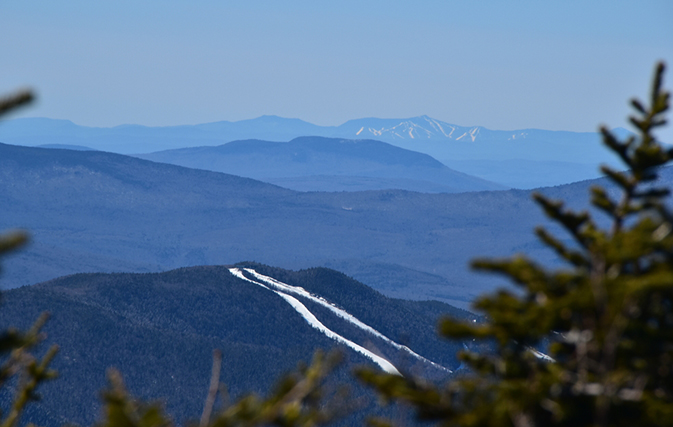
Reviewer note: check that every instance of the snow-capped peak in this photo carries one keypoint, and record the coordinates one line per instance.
(422, 127)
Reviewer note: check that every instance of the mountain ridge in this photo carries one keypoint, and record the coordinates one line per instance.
(418, 127)
(582, 151)
(319, 156)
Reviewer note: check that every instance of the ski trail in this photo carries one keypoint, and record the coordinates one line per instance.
(315, 323)
(339, 312)
(541, 355)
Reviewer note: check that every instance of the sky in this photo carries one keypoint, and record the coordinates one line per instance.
(557, 65)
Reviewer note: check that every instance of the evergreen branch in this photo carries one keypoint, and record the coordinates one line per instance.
(296, 402)
(453, 329)
(18, 343)
(520, 269)
(577, 224)
(18, 99)
(653, 193)
(576, 258)
(123, 411)
(600, 199)
(622, 179)
(12, 241)
(635, 103)
(609, 318)
(659, 100)
(622, 149)
(37, 374)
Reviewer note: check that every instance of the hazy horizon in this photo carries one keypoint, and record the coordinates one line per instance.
(569, 66)
(25, 116)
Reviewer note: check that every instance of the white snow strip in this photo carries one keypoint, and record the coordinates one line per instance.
(432, 123)
(461, 136)
(315, 323)
(441, 129)
(297, 290)
(473, 133)
(542, 356)
(411, 133)
(361, 129)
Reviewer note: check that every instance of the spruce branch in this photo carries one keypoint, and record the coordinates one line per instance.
(15, 100)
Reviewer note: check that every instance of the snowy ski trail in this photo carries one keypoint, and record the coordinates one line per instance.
(315, 323)
(339, 312)
(541, 355)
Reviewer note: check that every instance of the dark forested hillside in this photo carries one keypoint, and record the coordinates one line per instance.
(160, 330)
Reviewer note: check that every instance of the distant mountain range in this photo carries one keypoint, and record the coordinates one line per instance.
(540, 157)
(327, 164)
(91, 211)
(159, 330)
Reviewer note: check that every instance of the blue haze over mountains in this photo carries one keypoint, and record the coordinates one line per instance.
(327, 164)
(520, 158)
(159, 244)
(92, 211)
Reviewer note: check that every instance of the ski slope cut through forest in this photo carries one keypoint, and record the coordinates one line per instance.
(284, 287)
(315, 323)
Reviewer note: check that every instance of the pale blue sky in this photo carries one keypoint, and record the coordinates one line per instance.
(501, 64)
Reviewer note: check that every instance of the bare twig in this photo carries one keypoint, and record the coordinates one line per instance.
(212, 390)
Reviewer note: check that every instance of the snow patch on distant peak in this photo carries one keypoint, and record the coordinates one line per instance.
(473, 133)
(437, 126)
(521, 135)
(411, 129)
(315, 323)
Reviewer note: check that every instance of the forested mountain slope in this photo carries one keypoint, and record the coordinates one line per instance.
(159, 330)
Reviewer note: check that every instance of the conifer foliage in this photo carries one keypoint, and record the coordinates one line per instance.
(298, 401)
(605, 321)
(18, 365)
